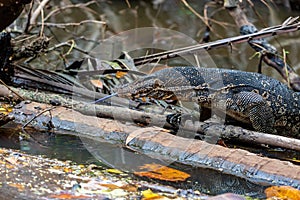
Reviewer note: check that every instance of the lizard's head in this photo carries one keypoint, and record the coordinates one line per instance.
(149, 86)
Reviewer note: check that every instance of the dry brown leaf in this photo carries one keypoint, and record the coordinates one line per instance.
(110, 186)
(97, 83)
(130, 188)
(161, 172)
(69, 196)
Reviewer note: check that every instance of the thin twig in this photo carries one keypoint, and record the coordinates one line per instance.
(64, 25)
(128, 3)
(37, 11)
(36, 116)
(69, 45)
(79, 5)
(271, 31)
(29, 17)
(42, 19)
(205, 21)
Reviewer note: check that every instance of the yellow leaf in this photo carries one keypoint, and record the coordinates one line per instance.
(161, 172)
(5, 109)
(120, 74)
(148, 194)
(68, 170)
(294, 160)
(114, 171)
(282, 192)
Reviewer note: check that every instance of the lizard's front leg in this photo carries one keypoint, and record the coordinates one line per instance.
(254, 107)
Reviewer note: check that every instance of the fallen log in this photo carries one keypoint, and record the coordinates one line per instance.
(159, 143)
(226, 132)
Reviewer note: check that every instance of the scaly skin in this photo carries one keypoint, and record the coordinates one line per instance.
(248, 98)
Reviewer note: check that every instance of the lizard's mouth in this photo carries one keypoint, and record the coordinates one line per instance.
(157, 94)
(131, 93)
(149, 86)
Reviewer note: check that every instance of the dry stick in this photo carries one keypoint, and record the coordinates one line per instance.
(128, 3)
(37, 12)
(36, 116)
(270, 59)
(29, 17)
(126, 114)
(78, 5)
(271, 31)
(67, 43)
(204, 20)
(257, 13)
(64, 25)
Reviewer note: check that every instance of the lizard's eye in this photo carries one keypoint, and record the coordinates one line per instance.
(157, 83)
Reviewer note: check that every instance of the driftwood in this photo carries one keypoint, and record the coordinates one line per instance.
(159, 143)
(208, 129)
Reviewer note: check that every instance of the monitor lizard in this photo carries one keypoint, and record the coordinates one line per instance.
(263, 103)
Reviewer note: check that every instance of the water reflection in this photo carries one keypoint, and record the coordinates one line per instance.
(59, 146)
(87, 151)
